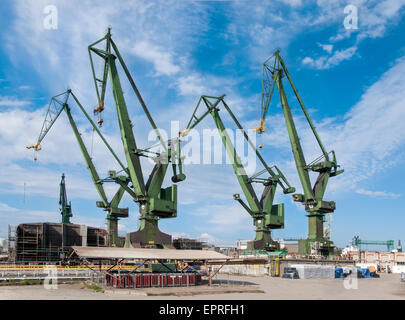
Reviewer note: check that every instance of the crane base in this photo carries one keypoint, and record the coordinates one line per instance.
(320, 247)
(263, 245)
(142, 239)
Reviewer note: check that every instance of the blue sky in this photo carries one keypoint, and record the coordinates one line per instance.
(350, 80)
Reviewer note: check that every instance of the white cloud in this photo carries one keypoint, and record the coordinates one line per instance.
(207, 237)
(60, 153)
(373, 131)
(195, 84)
(378, 194)
(369, 139)
(13, 102)
(275, 26)
(308, 60)
(192, 84)
(326, 62)
(225, 220)
(177, 235)
(374, 18)
(147, 30)
(161, 59)
(327, 47)
(24, 87)
(293, 3)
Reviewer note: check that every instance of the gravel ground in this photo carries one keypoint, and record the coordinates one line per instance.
(388, 286)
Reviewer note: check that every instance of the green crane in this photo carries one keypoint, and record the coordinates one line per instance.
(359, 243)
(154, 201)
(266, 216)
(58, 104)
(326, 165)
(65, 207)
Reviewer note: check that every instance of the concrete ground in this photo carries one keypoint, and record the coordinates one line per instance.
(389, 286)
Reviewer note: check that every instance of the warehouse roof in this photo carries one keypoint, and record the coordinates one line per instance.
(140, 253)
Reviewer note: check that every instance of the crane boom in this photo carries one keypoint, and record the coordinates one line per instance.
(52, 114)
(130, 148)
(295, 143)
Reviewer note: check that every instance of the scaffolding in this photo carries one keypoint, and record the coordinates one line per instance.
(42, 243)
(360, 243)
(11, 244)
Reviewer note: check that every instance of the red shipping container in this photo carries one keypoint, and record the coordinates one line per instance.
(177, 280)
(184, 279)
(130, 281)
(138, 280)
(116, 282)
(170, 280)
(121, 282)
(146, 280)
(155, 280)
(191, 279)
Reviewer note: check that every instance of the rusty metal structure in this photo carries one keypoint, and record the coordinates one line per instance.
(188, 244)
(50, 242)
(185, 273)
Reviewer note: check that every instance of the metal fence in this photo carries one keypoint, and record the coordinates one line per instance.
(42, 274)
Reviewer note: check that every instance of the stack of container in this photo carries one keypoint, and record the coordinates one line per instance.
(313, 271)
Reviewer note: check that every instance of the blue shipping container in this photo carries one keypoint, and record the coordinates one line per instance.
(338, 273)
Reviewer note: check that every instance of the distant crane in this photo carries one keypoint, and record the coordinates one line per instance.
(325, 165)
(359, 243)
(65, 207)
(266, 215)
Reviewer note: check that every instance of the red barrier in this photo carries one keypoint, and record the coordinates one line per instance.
(155, 280)
(163, 280)
(177, 280)
(138, 280)
(130, 281)
(145, 280)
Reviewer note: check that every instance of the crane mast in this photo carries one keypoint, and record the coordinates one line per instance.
(65, 207)
(326, 165)
(266, 215)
